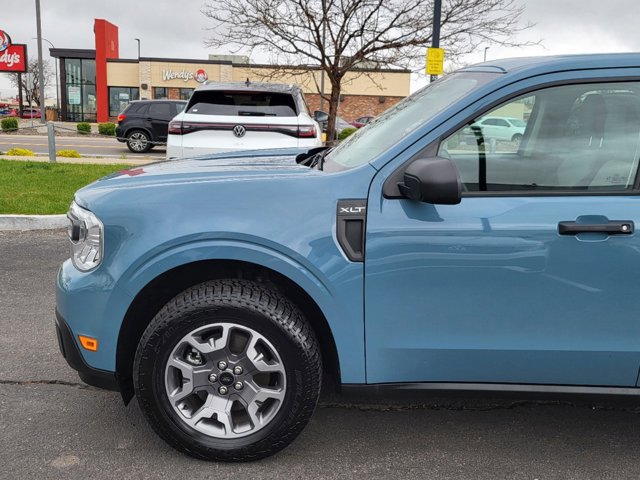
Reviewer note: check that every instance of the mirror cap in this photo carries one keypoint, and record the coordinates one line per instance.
(432, 180)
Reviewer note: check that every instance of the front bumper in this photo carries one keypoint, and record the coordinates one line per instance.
(71, 353)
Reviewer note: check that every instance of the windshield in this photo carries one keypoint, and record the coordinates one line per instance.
(399, 121)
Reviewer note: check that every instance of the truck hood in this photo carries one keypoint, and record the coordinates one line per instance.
(248, 165)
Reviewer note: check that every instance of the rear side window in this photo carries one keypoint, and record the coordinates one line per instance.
(249, 104)
(136, 107)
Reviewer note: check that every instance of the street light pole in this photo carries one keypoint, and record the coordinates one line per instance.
(485, 53)
(435, 37)
(138, 40)
(43, 119)
(57, 84)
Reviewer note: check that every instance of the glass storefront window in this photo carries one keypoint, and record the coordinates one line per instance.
(119, 98)
(73, 70)
(81, 104)
(160, 93)
(89, 71)
(185, 93)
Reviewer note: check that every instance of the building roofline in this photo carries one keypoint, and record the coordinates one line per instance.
(186, 60)
(122, 60)
(72, 53)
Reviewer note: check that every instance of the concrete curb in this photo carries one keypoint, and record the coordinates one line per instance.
(32, 222)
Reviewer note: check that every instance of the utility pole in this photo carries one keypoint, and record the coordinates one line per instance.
(138, 40)
(435, 37)
(56, 67)
(43, 119)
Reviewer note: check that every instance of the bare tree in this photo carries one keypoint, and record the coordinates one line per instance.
(339, 36)
(31, 81)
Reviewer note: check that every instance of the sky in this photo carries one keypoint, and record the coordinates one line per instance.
(177, 28)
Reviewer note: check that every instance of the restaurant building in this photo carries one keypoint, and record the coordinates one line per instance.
(97, 84)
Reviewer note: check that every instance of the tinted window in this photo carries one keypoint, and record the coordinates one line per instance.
(137, 107)
(577, 137)
(242, 104)
(160, 110)
(498, 122)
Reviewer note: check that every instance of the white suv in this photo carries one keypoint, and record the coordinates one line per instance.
(242, 116)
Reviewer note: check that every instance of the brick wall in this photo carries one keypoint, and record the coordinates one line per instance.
(354, 106)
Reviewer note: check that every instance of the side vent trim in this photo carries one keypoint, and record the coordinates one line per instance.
(351, 227)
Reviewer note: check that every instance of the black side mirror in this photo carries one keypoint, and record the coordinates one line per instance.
(432, 180)
(320, 116)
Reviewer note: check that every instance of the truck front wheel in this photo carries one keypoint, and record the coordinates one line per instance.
(228, 370)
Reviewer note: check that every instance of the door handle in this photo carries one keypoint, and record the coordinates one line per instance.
(613, 227)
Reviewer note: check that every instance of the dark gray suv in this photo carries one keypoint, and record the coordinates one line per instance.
(144, 123)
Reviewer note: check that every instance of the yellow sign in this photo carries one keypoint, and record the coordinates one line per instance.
(435, 61)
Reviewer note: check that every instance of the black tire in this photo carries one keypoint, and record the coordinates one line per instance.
(251, 305)
(139, 141)
(517, 138)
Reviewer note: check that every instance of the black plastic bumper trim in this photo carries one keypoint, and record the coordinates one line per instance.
(69, 349)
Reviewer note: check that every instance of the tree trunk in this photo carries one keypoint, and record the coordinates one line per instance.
(333, 112)
(20, 100)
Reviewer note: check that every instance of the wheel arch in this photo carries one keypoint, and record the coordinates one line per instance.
(132, 129)
(153, 296)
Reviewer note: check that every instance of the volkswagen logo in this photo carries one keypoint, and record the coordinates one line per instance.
(239, 131)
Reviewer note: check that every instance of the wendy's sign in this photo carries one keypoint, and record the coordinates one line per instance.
(13, 56)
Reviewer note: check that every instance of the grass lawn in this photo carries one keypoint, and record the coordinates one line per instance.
(40, 188)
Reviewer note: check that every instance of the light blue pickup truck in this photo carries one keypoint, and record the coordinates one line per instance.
(222, 290)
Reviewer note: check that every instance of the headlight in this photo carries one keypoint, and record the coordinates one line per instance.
(86, 234)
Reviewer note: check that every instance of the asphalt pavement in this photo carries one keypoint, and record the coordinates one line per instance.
(89, 146)
(52, 426)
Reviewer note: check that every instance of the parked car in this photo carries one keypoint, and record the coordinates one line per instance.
(143, 124)
(220, 290)
(242, 116)
(500, 128)
(341, 123)
(362, 121)
(8, 112)
(31, 113)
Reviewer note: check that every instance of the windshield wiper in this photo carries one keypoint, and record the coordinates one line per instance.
(313, 157)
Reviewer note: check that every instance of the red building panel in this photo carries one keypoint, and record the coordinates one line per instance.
(106, 35)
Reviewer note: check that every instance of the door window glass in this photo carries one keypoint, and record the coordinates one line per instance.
(572, 137)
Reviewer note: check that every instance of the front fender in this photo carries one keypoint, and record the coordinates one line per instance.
(336, 289)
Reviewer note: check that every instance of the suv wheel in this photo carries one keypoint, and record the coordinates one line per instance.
(138, 141)
(228, 370)
(517, 138)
